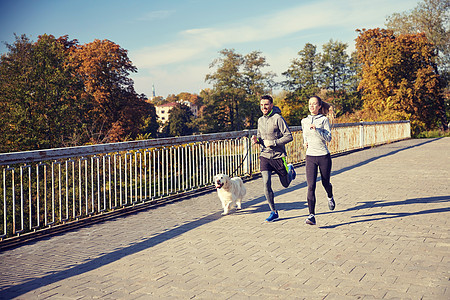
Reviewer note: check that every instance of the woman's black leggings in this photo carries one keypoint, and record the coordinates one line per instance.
(312, 164)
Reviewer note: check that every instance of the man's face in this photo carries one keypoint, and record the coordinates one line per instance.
(266, 106)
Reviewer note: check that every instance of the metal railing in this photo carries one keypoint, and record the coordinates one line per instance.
(45, 188)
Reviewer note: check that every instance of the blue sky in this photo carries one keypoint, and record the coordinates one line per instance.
(173, 42)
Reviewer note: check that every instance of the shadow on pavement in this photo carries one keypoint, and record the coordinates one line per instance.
(392, 215)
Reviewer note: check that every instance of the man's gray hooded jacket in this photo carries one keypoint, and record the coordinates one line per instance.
(274, 133)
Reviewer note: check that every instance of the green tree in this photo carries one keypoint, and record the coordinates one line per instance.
(210, 118)
(303, 79)
(255, 84)
(37, 94)
(227, 88)
(148, 124)
(354, 70)
(341, 77)
(232, 103)
(335, 66)
(180, 120)
(304, 72)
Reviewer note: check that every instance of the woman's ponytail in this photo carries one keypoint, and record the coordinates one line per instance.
(326, 109)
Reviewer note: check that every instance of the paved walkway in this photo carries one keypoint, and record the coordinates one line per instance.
(387, 239)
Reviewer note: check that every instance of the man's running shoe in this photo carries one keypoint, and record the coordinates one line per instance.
(273, 216)
(331, 203)
(311, 220)
(291, 171)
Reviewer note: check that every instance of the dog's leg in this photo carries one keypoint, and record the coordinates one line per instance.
(226, 209)
(238, 203)
(243, 191)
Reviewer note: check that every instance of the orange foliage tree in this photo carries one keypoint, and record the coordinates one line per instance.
(114, 110)
(399, 81)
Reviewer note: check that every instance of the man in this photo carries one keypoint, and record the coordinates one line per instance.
(273, 134)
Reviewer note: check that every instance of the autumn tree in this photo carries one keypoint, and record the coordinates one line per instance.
(398, 78)
(192, 98)
(171, 98)
(196, 100)
(115, 111)
(431, 17)
(158, 100)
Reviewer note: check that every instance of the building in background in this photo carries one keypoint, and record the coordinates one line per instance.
(163, 110)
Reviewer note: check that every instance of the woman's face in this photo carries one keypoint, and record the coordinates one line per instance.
(314, 106)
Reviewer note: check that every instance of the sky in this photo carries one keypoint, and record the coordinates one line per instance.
(173, 42)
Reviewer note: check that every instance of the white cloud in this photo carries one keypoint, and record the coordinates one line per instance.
(194, 42)
(340, 18)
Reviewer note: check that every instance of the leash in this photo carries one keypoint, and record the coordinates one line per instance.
(242, 161)
(240, 164)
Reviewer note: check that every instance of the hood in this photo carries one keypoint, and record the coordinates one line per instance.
(275, 110)
(311, 117)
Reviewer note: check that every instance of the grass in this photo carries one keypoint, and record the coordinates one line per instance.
(433, 134)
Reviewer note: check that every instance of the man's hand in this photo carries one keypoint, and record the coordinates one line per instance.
(254, 139)
(270, 143)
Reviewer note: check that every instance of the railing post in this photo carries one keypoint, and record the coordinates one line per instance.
(361, 135)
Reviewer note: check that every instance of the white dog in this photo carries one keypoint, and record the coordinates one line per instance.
(230, 191)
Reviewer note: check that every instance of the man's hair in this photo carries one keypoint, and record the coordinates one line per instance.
(267, 97)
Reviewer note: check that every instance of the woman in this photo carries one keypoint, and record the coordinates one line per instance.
(316, 134)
